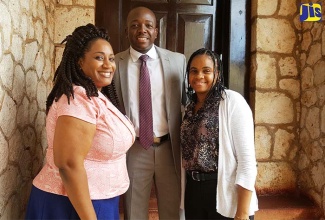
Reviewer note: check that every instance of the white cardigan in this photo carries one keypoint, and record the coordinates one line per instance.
(236, 161)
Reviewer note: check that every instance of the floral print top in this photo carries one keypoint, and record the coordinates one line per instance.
(200, 136)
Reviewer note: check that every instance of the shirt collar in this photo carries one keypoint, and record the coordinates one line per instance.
(152, 53)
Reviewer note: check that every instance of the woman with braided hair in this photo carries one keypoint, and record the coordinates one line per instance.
(217, 142)
(88, 137)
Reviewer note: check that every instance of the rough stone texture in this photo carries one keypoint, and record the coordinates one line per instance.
(312, 122)
(266, 71)
(262, 143)
(275, 177)
(290, 117)
(309, 97)
(315, 54)
(273, 108)
(288, 7)
(6, 71)
(70, 18)
(319, 73)
(25, 46)
(307, 78)
(275, 35)
(292, 86)
(288, 66)
(265, 7)
(282, 143)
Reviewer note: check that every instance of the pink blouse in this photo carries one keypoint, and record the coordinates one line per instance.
(105, 163)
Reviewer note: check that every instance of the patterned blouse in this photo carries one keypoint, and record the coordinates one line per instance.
(200, 136)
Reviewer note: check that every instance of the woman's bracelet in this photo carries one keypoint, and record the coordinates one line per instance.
(237, 218)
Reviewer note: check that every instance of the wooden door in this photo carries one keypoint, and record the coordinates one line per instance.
(187, 25)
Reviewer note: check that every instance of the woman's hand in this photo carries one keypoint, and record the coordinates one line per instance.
(244, 199)
(72, 141)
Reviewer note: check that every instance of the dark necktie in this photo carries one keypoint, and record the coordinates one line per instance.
(145, 105)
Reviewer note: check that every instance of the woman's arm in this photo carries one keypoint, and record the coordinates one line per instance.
(72, 141)
(244, 199)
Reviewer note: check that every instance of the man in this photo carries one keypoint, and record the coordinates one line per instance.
(160, 162)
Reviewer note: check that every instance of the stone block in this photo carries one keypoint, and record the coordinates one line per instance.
(24, 26)
(275, 35)
(309, 98)
(58, 56)
(318, 175)
(273, 108)
(16, 148)
(14, 9)
(64, 2)
(266, 72)
(306, 41)
(86, 2)
(312, 123)
(265, 7)
(8, 116)
(283, 142)
(307, 78)
(275, 177)
(288, 66)
(262, 143)
(6, 71)
(68, 19)
(22, 113)
(4, 152)
(39, 63)
(6, 24)
(316, 152)
(17, 50)
(41, 95)
(24, 5)
(292, 86)
(31, 50)
(31, 81)
(314, 54)
(288, 7)
(319, 73)
(32, 111)
(18, 85)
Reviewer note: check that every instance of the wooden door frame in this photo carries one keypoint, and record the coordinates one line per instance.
(235, 48)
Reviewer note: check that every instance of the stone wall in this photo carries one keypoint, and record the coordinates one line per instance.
(288, 89)
(311, 161)
(276, 86)
(30, 36)
(26, 66)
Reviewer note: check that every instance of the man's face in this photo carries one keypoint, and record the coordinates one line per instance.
(141, 29)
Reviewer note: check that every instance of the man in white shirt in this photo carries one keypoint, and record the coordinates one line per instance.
(160, 163)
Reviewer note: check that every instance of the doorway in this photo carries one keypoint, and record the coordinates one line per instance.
(187, 25)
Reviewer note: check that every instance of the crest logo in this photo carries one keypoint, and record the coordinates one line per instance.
(310, 12)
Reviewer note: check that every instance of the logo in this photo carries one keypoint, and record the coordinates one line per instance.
(310, 12)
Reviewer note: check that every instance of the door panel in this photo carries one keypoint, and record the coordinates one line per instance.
(195, 32)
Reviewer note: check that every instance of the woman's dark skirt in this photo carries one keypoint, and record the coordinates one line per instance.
(44, 205)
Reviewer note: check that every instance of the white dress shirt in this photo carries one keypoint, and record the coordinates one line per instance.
(159, 116)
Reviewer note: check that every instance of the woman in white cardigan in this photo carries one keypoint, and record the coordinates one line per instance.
(217, 140)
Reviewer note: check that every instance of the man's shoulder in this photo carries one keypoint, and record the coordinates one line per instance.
(122, 54)
(166, 52)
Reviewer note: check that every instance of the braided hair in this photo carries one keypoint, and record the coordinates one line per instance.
(69, 72)
(217, 88)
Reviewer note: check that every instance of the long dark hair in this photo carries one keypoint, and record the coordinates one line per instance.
(218, 88)
(69, 72)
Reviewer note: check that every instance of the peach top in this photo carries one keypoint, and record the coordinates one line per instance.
(105, 162)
